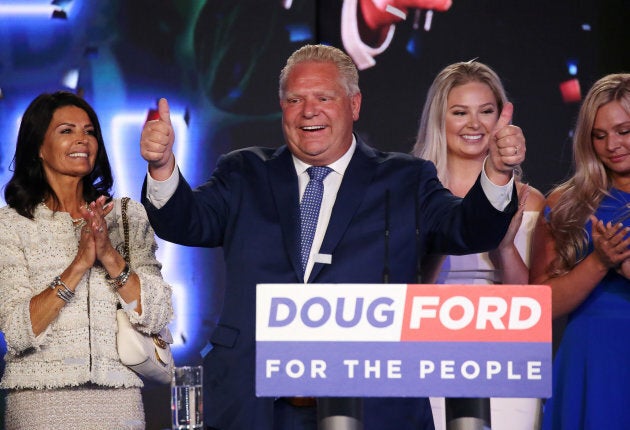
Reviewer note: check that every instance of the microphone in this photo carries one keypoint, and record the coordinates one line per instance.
(419, 258)
(386, 239)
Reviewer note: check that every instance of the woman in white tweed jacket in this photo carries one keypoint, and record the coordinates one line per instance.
(62, 276)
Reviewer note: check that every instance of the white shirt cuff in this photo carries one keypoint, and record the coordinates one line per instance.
(498, 195)
(159, 192)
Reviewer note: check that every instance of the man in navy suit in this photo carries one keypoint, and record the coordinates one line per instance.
(251, 207)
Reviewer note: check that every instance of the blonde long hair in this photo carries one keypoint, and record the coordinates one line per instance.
(583, 192)
(431, 140)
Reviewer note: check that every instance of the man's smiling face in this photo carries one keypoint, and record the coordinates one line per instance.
(317, 113)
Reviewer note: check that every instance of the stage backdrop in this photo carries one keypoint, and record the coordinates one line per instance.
(218, 63)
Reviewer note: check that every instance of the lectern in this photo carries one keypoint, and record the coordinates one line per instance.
(344, 342)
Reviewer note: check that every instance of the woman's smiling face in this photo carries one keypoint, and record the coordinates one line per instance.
(70, 145)
(471, 115)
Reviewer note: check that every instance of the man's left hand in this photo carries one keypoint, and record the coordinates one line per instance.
(507, 148)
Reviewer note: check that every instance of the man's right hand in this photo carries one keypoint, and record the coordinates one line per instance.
(156, 144)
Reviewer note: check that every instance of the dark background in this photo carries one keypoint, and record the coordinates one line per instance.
(218, 61)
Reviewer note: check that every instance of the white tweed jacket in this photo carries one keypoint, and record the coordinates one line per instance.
(79, 346)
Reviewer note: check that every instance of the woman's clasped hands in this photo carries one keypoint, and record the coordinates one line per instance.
(94, 243)
(611, 243)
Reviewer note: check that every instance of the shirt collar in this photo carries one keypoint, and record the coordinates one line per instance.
(339, 166)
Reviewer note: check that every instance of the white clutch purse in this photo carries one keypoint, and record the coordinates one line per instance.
(148, 355)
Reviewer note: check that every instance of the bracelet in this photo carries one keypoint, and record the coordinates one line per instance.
(120, 280)
(63, 292)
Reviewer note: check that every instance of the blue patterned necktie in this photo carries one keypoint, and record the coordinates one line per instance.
(309, 209)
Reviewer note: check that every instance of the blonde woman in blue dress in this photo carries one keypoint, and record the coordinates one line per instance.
(459, 118)
(581, 248)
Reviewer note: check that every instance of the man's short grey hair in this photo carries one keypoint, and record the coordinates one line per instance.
(323, 54)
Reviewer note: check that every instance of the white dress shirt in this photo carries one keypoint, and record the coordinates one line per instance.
(332, 182)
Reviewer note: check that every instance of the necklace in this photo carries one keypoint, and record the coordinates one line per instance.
(77, 222)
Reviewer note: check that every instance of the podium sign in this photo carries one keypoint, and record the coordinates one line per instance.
(399, 340)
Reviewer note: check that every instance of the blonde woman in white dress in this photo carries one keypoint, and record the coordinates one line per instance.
(458, 120)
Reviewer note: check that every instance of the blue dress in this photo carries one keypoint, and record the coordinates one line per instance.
(591, 370)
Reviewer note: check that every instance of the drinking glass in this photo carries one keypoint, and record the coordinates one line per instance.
(187, 398)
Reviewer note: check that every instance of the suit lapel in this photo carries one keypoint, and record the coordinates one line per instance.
(284, 189)
(354, 185)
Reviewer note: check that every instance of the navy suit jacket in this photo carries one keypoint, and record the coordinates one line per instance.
(250, 208)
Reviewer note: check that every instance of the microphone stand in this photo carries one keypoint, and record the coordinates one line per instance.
(340, 413)
(346, 413)
(467, 414)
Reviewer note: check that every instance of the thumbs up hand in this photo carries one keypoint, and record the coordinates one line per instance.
(156, 143)
(507, 148)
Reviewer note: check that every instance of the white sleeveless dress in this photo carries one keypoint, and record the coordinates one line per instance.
(506, 413)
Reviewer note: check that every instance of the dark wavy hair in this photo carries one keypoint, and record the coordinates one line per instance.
(28, 186)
